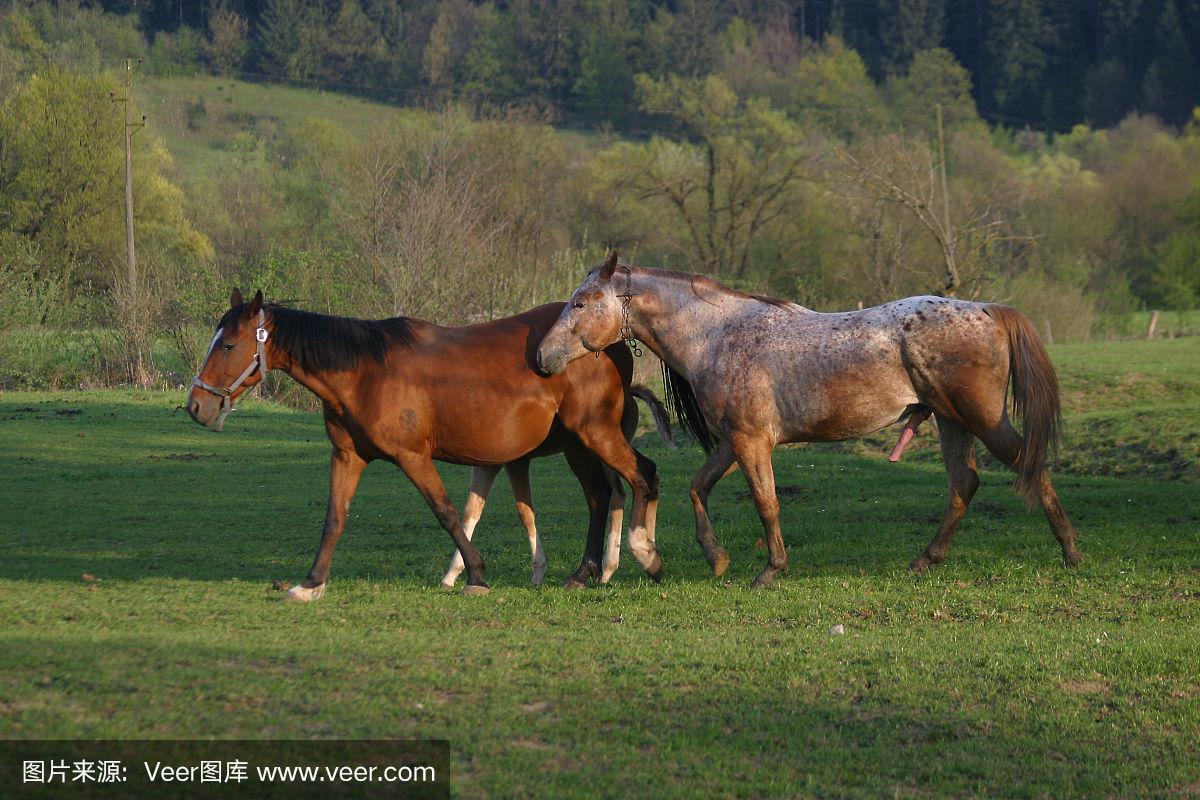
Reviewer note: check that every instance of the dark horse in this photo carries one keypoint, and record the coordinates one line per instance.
(750, 372)
(409, 392)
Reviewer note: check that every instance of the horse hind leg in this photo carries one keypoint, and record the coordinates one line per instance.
(482, 479)
(718, 465)
(518, 476)
(754, 454)
(1005, 444)
(958, 454)
(616, 516)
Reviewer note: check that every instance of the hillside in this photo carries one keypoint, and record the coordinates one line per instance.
(196, 117)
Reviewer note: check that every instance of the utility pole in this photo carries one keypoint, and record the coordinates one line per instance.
(140, 372)
(130, 129)
(951, 266)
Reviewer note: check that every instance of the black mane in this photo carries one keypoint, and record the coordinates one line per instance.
(320, 342)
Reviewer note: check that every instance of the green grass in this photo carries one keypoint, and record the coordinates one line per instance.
(199, 142)
(231, 106)
(998, 674)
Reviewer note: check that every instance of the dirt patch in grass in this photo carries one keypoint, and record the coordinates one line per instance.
(181, 457)
(1084, 687)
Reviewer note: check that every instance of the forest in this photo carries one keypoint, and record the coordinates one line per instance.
(1045, 63)
(457, 161)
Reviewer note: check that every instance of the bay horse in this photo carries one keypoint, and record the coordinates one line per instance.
(409, 392)
(747, 372)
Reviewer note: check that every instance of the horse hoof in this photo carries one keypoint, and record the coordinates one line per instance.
(655, 569)
(763, 581)
(446, 587)
(606, 576)
(720, 563)
(304, 594)
(473, 589)
(1072, 559)
(920, 564)
(539, 575)
(574, 583)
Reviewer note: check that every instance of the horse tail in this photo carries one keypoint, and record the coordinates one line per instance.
(1034, 396)
(683, 402)
(662, 419)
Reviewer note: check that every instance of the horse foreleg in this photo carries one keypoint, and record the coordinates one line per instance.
(1005, 444)
(345, 468)
(719, 464)
(616, 517)
(754, 454)
(482, 479)
(958, 454)
(420, 470)
(518, 476)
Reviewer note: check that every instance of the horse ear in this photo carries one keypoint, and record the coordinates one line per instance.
(257, 302)
(609, 266)
(235, 299)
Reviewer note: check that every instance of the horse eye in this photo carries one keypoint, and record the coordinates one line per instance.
(577, 304)
(227, 347)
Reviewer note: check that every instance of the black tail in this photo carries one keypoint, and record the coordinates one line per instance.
(683, 402)
(662, 420)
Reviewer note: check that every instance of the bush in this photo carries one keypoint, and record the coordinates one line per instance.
(177, 53)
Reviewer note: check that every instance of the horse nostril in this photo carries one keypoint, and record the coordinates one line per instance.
(537, 357)
(194, 408)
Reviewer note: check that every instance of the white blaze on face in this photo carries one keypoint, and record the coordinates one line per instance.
(213, 343)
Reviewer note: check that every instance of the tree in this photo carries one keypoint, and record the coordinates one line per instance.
(61, 177)
(934, 78)
(604, 90)
(1169, 86)
(227, 44)
(1018, 43)
(906, 27)
(685, 42)
(906, 174)
(731, 186)
(355, 44)
(420, 214)
(830, 89)
(450, 39)
(294, 38)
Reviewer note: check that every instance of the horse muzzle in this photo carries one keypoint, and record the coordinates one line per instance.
(203, 410)
(549, 364)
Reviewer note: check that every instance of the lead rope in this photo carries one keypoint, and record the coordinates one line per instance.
(261, 334)
(626, 332)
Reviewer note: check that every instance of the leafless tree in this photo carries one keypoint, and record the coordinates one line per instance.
(891, 170)
(422, 214)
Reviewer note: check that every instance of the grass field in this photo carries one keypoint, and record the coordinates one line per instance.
(998, 674)
(230, 106)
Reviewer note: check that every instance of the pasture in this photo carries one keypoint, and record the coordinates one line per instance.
(137, 600)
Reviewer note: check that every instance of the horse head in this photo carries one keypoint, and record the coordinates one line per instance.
(591, 321)
(236, 361)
